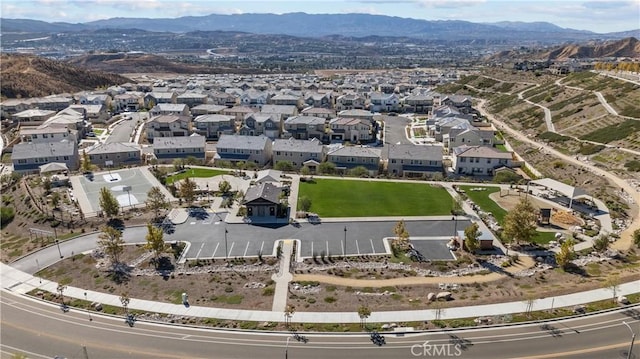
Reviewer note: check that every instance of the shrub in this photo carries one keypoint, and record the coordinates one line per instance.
(330, 299)
(268, 291)
(6, 215)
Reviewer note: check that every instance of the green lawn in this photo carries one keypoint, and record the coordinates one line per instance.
(502, 148)
(481, 198)
(347, 198)
(195, 172)
(98, 131)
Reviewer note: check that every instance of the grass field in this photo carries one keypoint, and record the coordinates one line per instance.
(195, 172)
(346, 198)
(481, 198)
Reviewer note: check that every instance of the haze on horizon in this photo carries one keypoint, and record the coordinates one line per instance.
(599, 16)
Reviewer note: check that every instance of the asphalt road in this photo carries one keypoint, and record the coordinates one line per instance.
(122, 132)
(206, 236)
(395, 132)
(41, 330)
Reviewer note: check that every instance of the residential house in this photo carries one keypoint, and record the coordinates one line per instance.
(207, 109)
(167, 149)
(127, 102)
(32, 117)
(93, 99)
(418, 103)
(93, 113)
(52, 103)
(350, 101)
(47, 134)
(168, 126)
(479, 160)
(305, 127)
(384, 102)
(286, 100)
(318, 112)
(256, 124)
(359, 114)
(470, 136)
(70, 119)
(387, 88)
(236, 148)
(239, 112)
(254, 99)
(177, 109)
(349, 157)
(282, 111)
(223, 99)
(462, 103)
(414, 161)
(114, 154)
(316, 99)
(214, 126)
(10, 107)
(192, 99)
(27, 157)
(299, 153)
(353, 130)
(151, 99)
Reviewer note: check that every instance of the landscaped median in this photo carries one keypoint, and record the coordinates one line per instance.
(362, 198)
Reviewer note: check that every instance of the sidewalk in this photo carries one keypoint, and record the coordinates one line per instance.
(20, 282)
(283, 277)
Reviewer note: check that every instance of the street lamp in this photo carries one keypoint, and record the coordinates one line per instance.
(59, 251)
(207, 193)
(286, 349)
(226, 249)
(633, 338)
(88, 310)
(454, 218)
(344, 248)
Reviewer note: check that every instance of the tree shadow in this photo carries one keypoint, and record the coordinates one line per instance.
(198, 213)
(553, 331)
(461, 343)
(116, 223)
(632, 313)
(120, 272)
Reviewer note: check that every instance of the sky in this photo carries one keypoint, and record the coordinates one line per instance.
(595, 15)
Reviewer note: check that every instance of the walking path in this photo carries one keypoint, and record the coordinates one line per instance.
(20, 282)
(283, 277)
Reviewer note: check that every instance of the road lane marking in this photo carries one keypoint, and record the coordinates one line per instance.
(373, 249)
(215, 250)
(327, 243)
(199, 250)
(261, 248)
(357, 247)
(246, 249)
(312, 248)
(231, 249)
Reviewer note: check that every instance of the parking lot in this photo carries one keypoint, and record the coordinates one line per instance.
(207, 237)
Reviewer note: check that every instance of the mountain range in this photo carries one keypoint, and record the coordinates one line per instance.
(317, 25)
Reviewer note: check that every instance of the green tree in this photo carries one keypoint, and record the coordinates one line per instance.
(111, 243)
(86, 162)
(55, 199)
(520, 223)
(566, 254)
(601, 243)
(108, 203)
(636, 237)
(155, 241)
(6, 215)
(285, 166)
(613, 284)
(304, 203)
(156, 200)
(124, 300)
(359, 171)
(402, 235)
(224, 187)
(364, 312)
(188, 190)
(471, 235)
(46, 185)
(305, 171)
(327, 168)
(178, 164)
(191, 161)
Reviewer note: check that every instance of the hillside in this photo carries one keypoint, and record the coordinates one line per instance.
(31, 76)
(629, 47)
(147, 63)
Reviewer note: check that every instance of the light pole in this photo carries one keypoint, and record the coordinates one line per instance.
(88, 310)
(59, 251)
(226, 249)
(344, 248)
(633, 338)
(454, 218)
(286, 349)
(207, 194)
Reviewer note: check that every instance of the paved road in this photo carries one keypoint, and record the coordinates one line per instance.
(42, 331)
(123, 131)
(395, 132)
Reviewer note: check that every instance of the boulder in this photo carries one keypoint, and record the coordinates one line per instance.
(443, 296)
(623, 300)
(431, 297)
